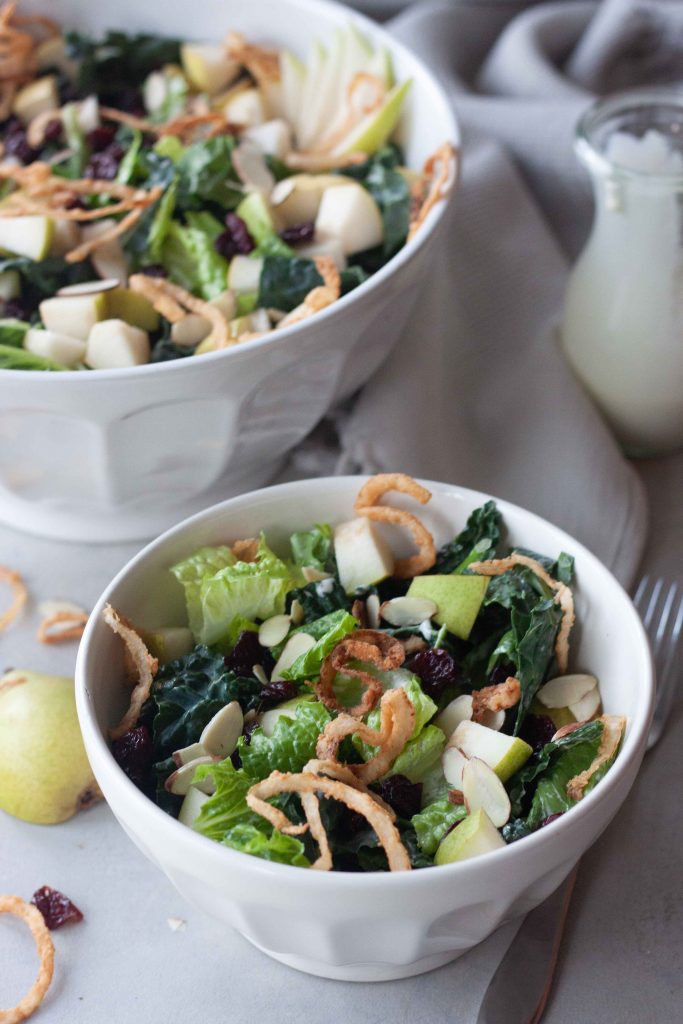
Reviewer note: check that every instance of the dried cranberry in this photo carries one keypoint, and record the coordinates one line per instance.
(400, 793)
(436, 671)
(130, 100)
(133, 754)
(248, 652)
(56, 908)
(154, 270)
(298, 234)
(16, 144)
(12, 125)
(276, 693)
(53, 130)
(76, 203)
(246, 733)
(101, 137)
(15, 309)
(103, 166)
(551, 817)
(500, 674)
(235, 240)
(537, 730)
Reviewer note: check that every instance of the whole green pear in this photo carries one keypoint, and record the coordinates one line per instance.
(45, 776)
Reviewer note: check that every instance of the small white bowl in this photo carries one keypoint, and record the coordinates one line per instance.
(359, 927)
(114, 455)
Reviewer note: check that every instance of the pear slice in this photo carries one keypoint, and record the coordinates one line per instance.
(457, 597)
(351, 215)
(375, 128)
(244, 274)
(114, 344)
(504, 754)
(483, 790)
(272, 137)
(60, 348)
(66, 235)
(208, 66)
(169, 643)
(297, 199)
(36, 98)
(27, 236)
(323, 246)
(191, 806)
(109, 258)
(10, 285)
(135, 309)
(246, 107)
(471, 838)
(74, 315)
(363, 555)
(293, 77)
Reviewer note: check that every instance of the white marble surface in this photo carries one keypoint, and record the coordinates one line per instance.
(622, 958)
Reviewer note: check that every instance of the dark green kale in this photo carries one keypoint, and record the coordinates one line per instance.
(389, 188)
(118, 62)
(286, 282)
(477, 542)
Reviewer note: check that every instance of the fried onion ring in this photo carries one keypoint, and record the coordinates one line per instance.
(612, 731)
(143, 666)
(366, 505)
(306, 782)
(82, 251)
(343, 773)
(439, 176)
(498, 697)
(262, 64)
(397, 722)
(563, 596)
(365, 645)
(72, 623)
(19, 595)
(246, 550)
(46, 952)
(160, 291)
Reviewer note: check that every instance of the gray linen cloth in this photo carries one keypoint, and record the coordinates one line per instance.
(477, 391)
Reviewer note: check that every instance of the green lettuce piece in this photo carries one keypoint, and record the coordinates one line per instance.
(192, 572)
(160, 224)
(551, 791)
(12, 358)
(189, 256)
(227, 807)
(13, 332)
(327, 631)
(238, 625)
(424, 706)
(204, 174)
(481, 533)
(75, 141)
(312, 548)
(169, 146)
(420, 756)
(432, 823)
(127, 166)
(291, 745)
(276, 846)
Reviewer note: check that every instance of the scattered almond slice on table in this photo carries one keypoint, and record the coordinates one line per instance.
(19, 595)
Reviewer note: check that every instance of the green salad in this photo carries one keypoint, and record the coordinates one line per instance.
(161, 198)
(332, 706)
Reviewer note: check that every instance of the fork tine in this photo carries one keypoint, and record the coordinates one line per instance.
(662, 613)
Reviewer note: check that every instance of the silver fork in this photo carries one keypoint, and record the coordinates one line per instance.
(537, 943)
(660, 606)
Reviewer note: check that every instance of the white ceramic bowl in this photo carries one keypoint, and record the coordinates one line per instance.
(350, 926)
(122, 454)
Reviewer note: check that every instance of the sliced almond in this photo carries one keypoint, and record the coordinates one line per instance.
(312, 575)
(252, 169)
(564, 691)
(56, 606)
(89, 287)
(260, 674)
(187, 754)
(493, 720)
(588, 706)
(459, 710)
(297, 645)
(180, 781)
(483, 790)
(453, 762)
(407, 611)
(274, 630)
(372, 607)
(219, 736)
(296, 612)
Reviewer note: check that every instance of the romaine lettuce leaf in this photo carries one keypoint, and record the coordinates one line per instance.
(424, 706)
(192, 572)
(312, 547)
(421, 755)
(276, 846)
(291, 745)
(189, 256)
(327, 631)
(434, 821)
(227, 807)
(205, 172)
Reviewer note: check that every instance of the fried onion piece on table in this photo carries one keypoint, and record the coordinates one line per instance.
(46, 952)
(16, 583)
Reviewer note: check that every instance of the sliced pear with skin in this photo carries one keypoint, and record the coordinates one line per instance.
(352, 215)
(484, 791)
(169, 643)
(109, 258)
(135, 309)
(74, 315)
(362, 553)
(191, 806)
(272, 137)
(244, 274)
(371, 133)
(297, 199)
(563, 691)
(60, 348)
(293, 77)
(114, 344)
(323, 246)
(324, 94)
(583, 710)
(36, 98)
(315, 71)
(246, 108)
(27, 236)
(208, 66)
(66, 235)
(472, 837)
(457, 597)
(504, 754)
(10, 285)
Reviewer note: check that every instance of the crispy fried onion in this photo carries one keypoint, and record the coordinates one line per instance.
(318, 298)
(174, 303)
(61, 626)
(308, 785)
(364, 645)
(499, 697)
(343, 773)
(140, 665)
(46, 952)
(15, 582)
(612, 730)
(397, 722)
(563, 596)
(439, 175)
(262, 64)
(246, 550)
(18, 63)
(190, 127)
(366, 505)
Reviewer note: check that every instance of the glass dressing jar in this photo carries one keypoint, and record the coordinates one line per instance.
(622, 331)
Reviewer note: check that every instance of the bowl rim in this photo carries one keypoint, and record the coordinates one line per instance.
(181, 836)
(404, 255)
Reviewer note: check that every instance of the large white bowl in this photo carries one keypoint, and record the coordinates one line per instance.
(122, 454)
(350, 926)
